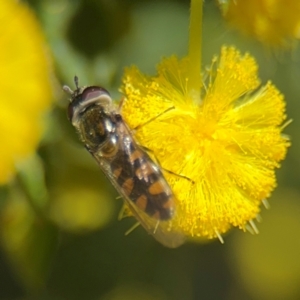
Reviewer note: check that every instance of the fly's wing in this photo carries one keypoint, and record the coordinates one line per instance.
(161, 230)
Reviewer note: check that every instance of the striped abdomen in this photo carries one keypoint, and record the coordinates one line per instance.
(142, 182)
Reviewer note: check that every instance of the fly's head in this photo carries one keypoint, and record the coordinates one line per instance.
(89, 111)
(85, 97)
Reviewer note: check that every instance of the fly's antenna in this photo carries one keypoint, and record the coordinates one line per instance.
(76, 81)
(68, 90)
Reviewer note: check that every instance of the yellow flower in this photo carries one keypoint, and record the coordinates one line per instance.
(227, 141)
(24, 82)
(275, 22)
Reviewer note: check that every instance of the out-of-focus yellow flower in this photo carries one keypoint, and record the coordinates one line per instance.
(275, 22)
(228, 141)
(24, 84)
(269, 265)
(79, 208)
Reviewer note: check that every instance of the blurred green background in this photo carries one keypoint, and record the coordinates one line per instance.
(81, 252)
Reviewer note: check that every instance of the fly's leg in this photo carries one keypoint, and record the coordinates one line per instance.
(153, 119)
(166, 170)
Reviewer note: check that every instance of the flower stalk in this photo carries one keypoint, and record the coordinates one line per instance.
(194, 51)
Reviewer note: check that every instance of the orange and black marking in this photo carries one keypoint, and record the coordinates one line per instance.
(143, 182)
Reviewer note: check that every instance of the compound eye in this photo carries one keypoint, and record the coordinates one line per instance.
(89, 96)
(93, 94)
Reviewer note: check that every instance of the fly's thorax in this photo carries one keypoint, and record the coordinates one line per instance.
(92, 113)
(97, 130)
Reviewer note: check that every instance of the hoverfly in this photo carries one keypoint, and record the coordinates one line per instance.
(137, 178)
